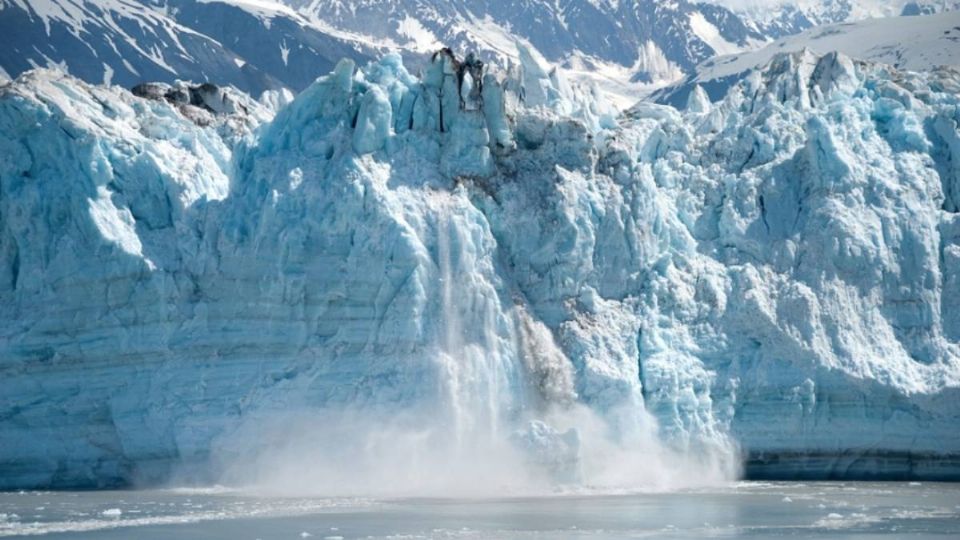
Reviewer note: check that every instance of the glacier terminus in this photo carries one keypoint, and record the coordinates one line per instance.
(483, 275)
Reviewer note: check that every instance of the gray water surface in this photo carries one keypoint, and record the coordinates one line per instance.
(742, 510)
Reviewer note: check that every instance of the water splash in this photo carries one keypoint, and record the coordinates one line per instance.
(501, 415)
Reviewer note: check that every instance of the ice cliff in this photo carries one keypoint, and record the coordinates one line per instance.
(491, 254)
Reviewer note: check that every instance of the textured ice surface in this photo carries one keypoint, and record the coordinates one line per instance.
(906, 43)
(778, 270)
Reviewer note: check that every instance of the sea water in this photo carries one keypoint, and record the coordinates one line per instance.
(845, 510)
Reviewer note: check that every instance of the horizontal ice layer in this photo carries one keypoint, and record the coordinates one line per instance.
(776, 269)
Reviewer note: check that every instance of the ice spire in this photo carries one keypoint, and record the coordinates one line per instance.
(698, 102)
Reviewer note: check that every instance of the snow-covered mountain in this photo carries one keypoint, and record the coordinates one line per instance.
(259, 44)
(640, 33)
(917, 43)
(780, 18)
(476, 272)
(627, 48)
(254, 46)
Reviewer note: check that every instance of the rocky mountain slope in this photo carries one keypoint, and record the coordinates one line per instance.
(264, 44)
(253, 47)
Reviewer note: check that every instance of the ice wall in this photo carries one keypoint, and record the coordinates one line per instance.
(774, 271)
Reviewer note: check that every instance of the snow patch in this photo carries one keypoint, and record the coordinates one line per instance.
(284, 52)
(420, 38)
(107, 74)
(710, 35)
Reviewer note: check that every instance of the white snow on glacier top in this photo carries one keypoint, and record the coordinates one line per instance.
(913, 43)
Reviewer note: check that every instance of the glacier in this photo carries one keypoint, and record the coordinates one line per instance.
(915, 43)
(443, 276)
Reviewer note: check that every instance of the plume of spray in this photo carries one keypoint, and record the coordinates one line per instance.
(503, 417)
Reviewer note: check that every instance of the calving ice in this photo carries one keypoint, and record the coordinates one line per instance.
(480, 279)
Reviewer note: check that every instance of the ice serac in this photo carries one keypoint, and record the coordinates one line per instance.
(774, 271)
(906, 43)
